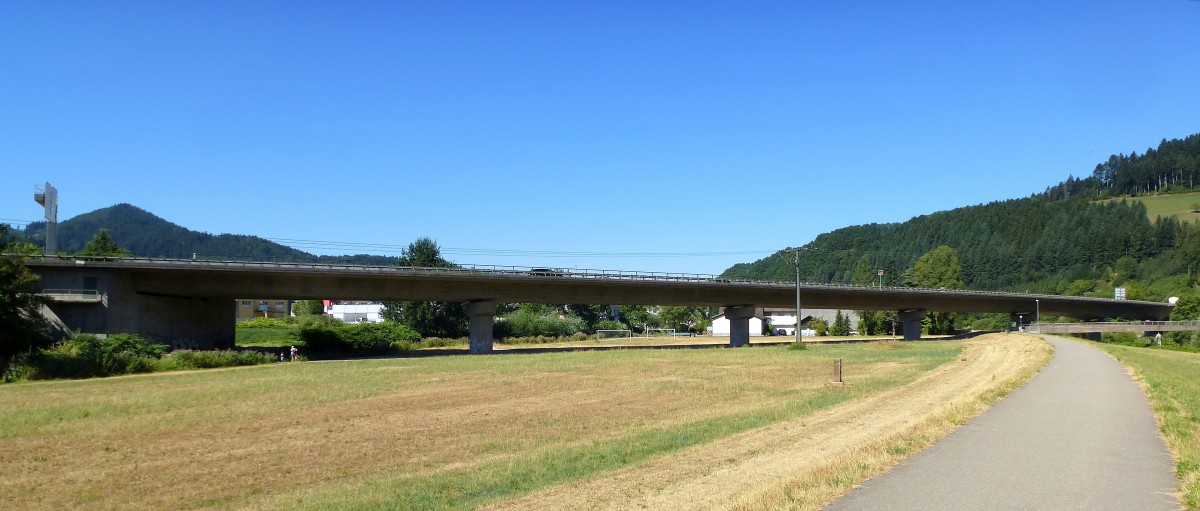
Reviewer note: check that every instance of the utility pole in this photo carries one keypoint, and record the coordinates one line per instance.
(799, 327)
(799, 314)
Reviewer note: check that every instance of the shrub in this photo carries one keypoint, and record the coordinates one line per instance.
(320, 338)
(186, 359)
(527, 323)
(358, 338)
(266, 323)
(610, 324)
(85, 356)
(1126, 338)
(440, 342)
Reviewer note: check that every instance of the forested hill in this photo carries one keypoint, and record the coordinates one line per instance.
(1173, 166)
(999, 245)
(1061, 241)
(147, 235)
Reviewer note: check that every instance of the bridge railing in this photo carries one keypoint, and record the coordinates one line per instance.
(75, 295)
(1097, 326)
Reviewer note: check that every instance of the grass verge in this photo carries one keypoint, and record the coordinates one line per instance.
(819, 485)
(1172, 381)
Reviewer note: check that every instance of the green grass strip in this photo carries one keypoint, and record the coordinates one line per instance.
(473, 487)
(1173, 380)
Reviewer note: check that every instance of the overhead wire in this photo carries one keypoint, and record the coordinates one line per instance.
(339, 245)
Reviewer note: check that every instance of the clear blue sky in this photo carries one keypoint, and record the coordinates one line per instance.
(587, 127)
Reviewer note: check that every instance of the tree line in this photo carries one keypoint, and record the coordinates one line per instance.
(1173, 166)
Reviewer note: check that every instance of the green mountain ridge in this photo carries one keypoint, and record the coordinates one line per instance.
(1061, 241)
(148, 235)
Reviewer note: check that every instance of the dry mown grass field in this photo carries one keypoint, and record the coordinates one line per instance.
(553, 430)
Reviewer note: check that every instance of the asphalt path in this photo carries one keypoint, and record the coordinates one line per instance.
(1079, 435)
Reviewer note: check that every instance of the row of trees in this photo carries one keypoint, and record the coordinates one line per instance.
(449, 319)
(1173, 165)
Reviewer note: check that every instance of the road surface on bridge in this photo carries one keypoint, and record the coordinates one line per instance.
(1080, 435)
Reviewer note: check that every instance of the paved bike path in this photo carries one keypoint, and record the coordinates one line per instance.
(1080, 435)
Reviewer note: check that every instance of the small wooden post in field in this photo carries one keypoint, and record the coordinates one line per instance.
(837, 372)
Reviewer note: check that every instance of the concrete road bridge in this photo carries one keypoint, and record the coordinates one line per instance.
(191, 303)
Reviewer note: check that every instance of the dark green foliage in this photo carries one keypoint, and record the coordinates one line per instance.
(868, 323)
(544, 339)
(681, 318)
(103, 246)
(147, 235)
(308, 307)
(1001, 245)
(610, 324)
(533, 321)
(22, 327)
(363, 338)
(1186, 309)
(840, 326)
(1173, 165)
(940, 323)
(992, 323)
(635, 317)
(186, 359)
(266, 333)
(86, 356)
(590, 314)
(262, 322)
(819, 326)
(430, 319)
(939, 269)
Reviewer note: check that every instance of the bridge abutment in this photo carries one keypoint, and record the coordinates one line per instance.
(911, 320)
(183, 322)
(482, 319)
(739, 325)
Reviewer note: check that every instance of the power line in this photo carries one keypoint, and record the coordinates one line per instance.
(340, 245)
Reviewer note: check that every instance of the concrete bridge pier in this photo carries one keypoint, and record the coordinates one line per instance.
(739, 324)
(482, 319)
(911, 320)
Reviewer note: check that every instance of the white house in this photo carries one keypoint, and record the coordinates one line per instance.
(720, 325)
(354, 312)
(781, 319)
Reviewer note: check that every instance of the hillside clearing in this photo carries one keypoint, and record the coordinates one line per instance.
(1178, 205)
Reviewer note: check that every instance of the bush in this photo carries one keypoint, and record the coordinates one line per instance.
(186, 359)
(611, 324)
(429, 342)
(528, 323)
(85, 356)
(992, 323)
(266, 323)
(88, 356)
(1125, 338)
(364, 338)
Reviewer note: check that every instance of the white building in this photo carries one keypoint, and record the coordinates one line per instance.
(354, 312)
(782, 319)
